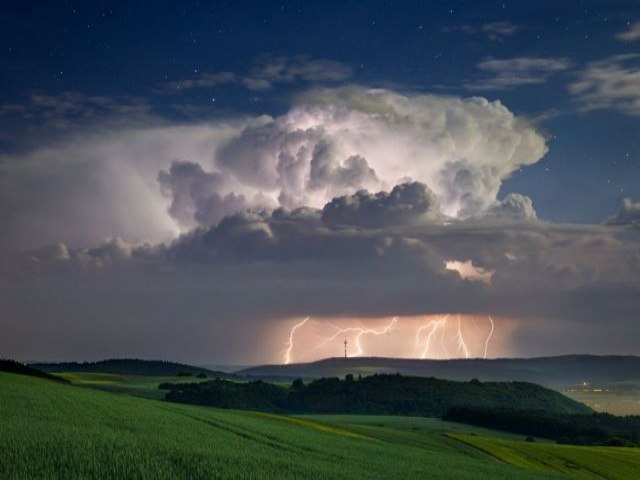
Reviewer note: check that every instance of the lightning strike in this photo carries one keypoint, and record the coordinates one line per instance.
(442, 343)
(462, 346)
(486, 343)
(425, 337)
(434, 325)
(360, 331)
(287, 353)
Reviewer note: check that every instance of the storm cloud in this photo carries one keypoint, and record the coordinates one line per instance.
(201, 238)
(254, 269)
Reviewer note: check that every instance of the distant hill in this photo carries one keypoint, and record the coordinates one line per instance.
(11, 366)
(549, 371)
(374, 395)
(131, 366)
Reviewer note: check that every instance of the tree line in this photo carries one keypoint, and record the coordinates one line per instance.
(575, 429)
(381, 394)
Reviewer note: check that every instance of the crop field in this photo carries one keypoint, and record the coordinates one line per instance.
(430, 433)
(138, 385)
(54, 430)
(581, 462)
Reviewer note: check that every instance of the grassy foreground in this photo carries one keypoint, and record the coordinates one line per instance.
(580, 462)
(52, 430)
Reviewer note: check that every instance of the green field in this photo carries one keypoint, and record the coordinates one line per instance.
(140, 386)
(581, 462)
(52, 430)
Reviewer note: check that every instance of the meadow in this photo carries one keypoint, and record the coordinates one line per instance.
(52, 430)
(581, 462)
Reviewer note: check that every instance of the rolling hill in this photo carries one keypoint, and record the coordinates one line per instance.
(130, 366)
(376, 394)
(11, 366)
(52, 430)
(548, 371)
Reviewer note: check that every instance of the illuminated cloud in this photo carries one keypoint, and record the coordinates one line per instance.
(468, 271)
(150, 183)
(514, 207)
(94, 184)
(337, 141)
(196, 196)
(357, 199)
(629, 214)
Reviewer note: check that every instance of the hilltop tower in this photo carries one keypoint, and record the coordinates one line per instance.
(345, 347)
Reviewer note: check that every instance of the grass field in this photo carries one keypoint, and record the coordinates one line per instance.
(581, 462)
(429, 433)
(52, 430)
(140, 386)
(63, 431)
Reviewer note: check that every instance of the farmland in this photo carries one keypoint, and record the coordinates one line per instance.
(580, 462)
(139, 385)
(53, 430)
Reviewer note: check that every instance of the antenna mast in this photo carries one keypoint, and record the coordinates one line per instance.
(345, 347)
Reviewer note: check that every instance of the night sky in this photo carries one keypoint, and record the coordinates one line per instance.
(185, 180)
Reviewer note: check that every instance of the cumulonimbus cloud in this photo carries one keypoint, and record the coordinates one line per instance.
(148, 183)
(334, 142)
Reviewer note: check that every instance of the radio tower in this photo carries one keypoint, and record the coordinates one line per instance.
(345, 347)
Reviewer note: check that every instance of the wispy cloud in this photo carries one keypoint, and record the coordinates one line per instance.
(203, 80)
(267, 72)
(632, 33)
(493, 30)
(612, 83)
(72, 108)
(500, 74)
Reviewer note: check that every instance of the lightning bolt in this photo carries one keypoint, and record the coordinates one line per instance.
(486, 343)
(360, 331)
(461, 345)
(287, 352)
(442, 344)
(425, 336)
(433, 325)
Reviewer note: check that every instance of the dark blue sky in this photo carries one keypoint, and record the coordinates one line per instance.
(131, 51)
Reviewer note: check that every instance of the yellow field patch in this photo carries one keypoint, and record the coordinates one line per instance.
(612, 463)
(315, 425)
